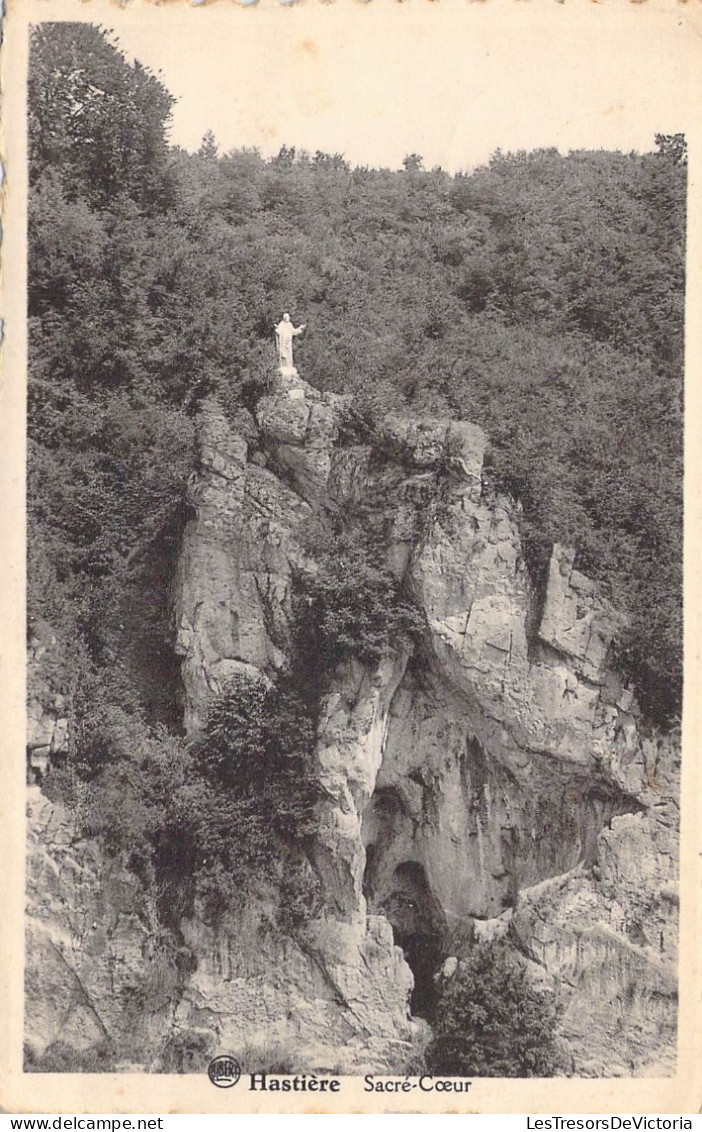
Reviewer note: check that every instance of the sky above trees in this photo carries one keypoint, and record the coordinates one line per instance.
(452, 83)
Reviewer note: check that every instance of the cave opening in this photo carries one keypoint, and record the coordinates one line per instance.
(402, 893)
(424, 955)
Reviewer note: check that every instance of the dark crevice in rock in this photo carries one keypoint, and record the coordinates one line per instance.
(424, 955)
(406, 900)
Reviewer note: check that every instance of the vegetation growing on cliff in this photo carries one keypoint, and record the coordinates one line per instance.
(540, 296)
(219, 821)
(490, 1021)
(351, 604)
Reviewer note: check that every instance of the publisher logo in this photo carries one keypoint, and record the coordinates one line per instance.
(224, 1071)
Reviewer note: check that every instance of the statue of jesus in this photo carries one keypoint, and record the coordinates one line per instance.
(284, 334)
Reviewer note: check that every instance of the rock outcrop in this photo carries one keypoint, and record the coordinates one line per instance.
(101, 975)
(496, 778)
(47, 702)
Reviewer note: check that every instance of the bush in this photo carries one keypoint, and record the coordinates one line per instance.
(491, 1022)
(250, 810)
(241, 821)
(352, 605)
(233, 753)
(258, 741)
(216, 821)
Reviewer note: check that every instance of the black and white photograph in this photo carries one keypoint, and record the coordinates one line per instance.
(354, 550)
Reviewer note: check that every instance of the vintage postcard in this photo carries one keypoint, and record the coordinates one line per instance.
(349, 751)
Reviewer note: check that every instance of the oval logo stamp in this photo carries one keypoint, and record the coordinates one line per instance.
(224, 1071)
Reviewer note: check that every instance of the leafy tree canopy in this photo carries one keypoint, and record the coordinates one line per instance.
(95, 119)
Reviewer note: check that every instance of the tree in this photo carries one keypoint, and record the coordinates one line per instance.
(413, 163)
(96, 119)
(208, 147)
(234, 751)
(673, 146)
(352, 605)
(491, 1022)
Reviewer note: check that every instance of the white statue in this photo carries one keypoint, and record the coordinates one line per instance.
(284, 334)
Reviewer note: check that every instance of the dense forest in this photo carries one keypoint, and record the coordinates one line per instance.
(540, 296)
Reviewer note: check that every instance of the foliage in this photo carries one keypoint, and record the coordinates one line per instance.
(350, 604)
(255, 763)
(223, 820)
(673, 146)
(491, 1022)
(96, 120)
(246, 808)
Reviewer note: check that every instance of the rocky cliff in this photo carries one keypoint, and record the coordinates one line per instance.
(493, 778)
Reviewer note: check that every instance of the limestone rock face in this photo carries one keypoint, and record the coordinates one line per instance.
(609, 936)
(576, 621)
(492, 780)
(232, 589)
(47, 701)
(98, 974)
(333, 997)
(301, 426)
(339, 996)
